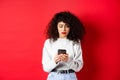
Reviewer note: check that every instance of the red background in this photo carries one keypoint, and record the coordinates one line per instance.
(22, 27)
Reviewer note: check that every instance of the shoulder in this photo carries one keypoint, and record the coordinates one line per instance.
(48, 41)
(76, 43)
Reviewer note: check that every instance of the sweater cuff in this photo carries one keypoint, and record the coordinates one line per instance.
(54, 63)
(71, 64)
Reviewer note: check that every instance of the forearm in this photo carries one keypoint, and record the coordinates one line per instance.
(49, 65)
(75, 65)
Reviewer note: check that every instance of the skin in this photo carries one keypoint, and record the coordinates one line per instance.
(63, 31)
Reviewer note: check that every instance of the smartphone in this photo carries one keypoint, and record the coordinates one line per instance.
(61, 51)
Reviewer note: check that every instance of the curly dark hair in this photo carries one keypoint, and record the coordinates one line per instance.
(76, 27)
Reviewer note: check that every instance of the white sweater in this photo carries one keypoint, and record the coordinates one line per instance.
(74, 51)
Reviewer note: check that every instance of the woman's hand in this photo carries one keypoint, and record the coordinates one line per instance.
(64, 57)
(57, 58)
(61, 57)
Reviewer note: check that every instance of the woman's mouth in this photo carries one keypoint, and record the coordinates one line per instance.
(63, 32)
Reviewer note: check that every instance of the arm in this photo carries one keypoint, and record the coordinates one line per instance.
(77, 63)
(47, 60)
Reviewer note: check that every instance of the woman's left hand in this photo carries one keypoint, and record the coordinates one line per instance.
(64, 57)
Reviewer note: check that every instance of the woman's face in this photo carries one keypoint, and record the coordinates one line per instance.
(63, 29)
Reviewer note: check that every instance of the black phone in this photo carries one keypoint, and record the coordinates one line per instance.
(61, 51)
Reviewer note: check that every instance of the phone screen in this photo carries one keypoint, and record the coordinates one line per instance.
(61, 51)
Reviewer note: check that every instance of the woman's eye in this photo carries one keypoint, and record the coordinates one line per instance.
(60, 26)
(67, 25)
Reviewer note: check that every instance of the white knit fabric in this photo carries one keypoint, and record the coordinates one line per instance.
(73, 50)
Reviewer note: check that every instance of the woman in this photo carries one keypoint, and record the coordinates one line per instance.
(62, 52)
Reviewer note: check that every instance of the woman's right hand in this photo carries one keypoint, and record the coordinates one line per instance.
(57, 58)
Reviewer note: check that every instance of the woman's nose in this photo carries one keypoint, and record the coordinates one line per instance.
(64, 28)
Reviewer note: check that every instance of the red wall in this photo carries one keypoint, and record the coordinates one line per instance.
(22, 26)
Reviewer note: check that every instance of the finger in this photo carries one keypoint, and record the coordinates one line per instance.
(57, 60)
(66, 54)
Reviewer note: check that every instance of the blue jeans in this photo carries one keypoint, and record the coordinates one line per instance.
(59, 76)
